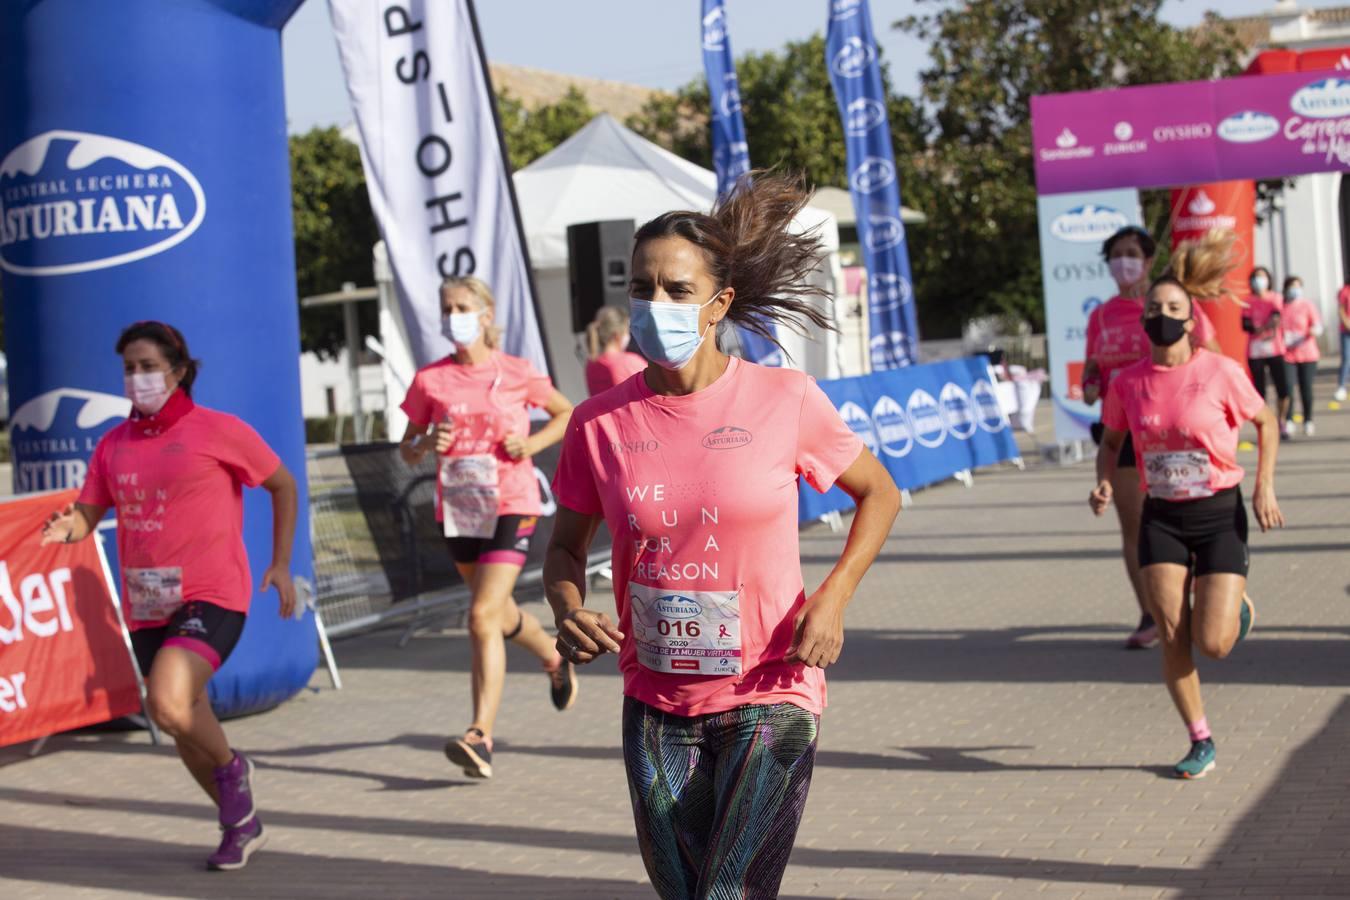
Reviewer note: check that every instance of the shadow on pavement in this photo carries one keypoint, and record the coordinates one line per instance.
(1293, 838)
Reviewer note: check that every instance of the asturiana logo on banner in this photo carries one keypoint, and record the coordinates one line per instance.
(1248, 127)
(1088, 224)
(887, 291)
(988, 410)
(892, 427)
(715, 29)
(853, 58)
(53, 434)
(844, 9)
(930, 428)
(1325, 99)
(861, 425)
(74, 202)
(957, 412)
(873, 174)
(864, 114)
(884, 232)
(890, 351)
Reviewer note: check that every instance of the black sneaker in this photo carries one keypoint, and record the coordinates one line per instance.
(562, 686)
(472, 753)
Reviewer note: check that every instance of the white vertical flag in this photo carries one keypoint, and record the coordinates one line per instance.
(435, 163)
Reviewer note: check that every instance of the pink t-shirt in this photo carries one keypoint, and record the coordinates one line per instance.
(486, 402)
(700, 493)
(1116, 337)
(609, 369)
(1185, 421)
(1343, 301)
(1298, 321)
(1260, 309)
(179, 500)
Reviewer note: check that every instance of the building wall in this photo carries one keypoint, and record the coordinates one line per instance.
(318, 375)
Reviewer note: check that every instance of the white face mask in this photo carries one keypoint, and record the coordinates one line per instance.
(147, 391)
(462, 328)
(1126, 270)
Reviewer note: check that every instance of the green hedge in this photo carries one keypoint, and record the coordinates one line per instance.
(323, 430)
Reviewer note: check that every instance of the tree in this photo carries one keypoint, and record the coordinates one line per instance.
(988, 58)
(791, 118)
(334, 232)
(530, 133)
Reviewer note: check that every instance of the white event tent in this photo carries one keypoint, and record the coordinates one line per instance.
(606, 171)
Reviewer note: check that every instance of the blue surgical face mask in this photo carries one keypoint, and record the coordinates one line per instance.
(1293, 293)
(462, 329)
(1260, 283)
(667, 333)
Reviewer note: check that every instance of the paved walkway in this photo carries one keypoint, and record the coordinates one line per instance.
(986, 737)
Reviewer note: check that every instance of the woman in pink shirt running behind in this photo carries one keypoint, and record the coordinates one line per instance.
(472, 409)
(1184, 407)
(611, 362)
(174, 472)
(694, 467)
(1115, 341)
(1301, 324)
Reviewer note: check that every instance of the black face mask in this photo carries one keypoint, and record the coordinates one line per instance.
(1164, 331)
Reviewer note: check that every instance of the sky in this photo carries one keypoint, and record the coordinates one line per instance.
(648, 42)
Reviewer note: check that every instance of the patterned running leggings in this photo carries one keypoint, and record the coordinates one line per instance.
(717, 799)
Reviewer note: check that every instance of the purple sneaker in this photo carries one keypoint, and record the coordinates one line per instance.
(236, 846)
(234, 781)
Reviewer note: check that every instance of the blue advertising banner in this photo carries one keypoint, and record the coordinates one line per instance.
(925, 423)
(851, 53)
(144, 174)
(731, 153)
(1077, 281)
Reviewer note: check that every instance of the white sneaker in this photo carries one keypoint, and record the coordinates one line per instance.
(1286, 429)
(1339, 395)
(1309, 429)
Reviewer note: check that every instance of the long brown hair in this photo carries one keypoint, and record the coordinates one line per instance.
(750, 246)
(1200, 266)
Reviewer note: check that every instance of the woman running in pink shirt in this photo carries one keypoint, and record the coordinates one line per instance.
(472, 409)
(694, 467)
(1184, 407)
(174, 472)
(1116, 340)
(611, 362)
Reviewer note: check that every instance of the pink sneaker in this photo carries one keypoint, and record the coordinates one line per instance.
(1145, 636)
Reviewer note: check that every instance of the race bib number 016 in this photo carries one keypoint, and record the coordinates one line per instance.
(686, 632)
(154, 594)
(1177, 474)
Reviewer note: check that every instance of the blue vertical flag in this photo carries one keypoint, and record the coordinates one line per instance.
(851, 53)
(731, 154)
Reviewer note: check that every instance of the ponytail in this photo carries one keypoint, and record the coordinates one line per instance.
(750, 245)
(1199, 267)
(610, 322)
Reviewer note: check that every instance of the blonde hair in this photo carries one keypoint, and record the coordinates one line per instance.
(492, 335)
(610, 322)
(1201, 266)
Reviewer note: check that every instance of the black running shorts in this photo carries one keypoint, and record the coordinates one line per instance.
(508, 544)
(198, 626)
(1209, 533)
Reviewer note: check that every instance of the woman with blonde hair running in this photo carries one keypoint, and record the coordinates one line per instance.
(472, 409)
(1184, 406)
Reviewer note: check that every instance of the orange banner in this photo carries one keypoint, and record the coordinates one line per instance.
(1228, 205)
(63, 661)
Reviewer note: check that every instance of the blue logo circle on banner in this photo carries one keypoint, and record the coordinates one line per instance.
(860, 423)
(892, 427)
(990, 413)
(926, 419)
(957, 412)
